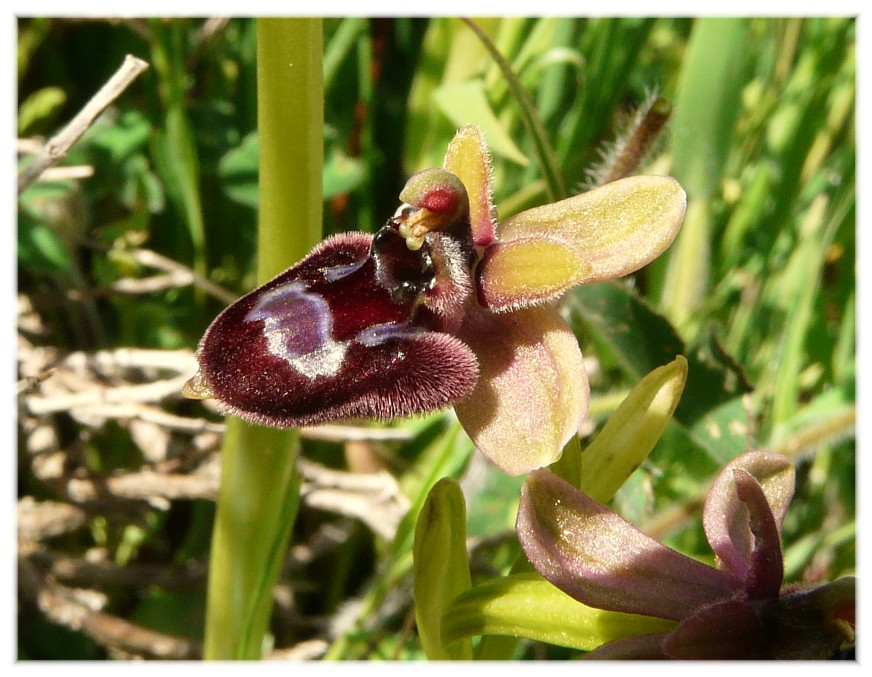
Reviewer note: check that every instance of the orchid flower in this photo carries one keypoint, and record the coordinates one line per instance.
(443, 306)
(738, 610)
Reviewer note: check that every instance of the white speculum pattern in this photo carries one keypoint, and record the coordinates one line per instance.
(299, 329)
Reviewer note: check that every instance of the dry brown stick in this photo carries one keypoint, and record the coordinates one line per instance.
(75, 571)
(38, 520)
(179, 276)
(145, 485)
(374, 499)
(66, 607)
(347, 433)
(149, 392)
(307, 650)
(66, 173)
(132, 358)
(59, 145)
(150, 414)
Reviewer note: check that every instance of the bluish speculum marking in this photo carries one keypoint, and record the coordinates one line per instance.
(333, 273)
(298, 328)
(379, 333)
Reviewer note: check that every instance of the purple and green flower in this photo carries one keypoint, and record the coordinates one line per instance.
(739, 609)
(444, 306)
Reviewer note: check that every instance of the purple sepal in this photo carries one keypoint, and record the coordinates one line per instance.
(742, 516)
(726, 630)
(602, 560)
(634, 648)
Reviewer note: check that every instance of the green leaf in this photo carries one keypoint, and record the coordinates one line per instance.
(526, 605)
(39, 246)
(41, 107)
(339, 46)
(494, 505)
(632, 431)
(640, 338)
(446, 455)
(827, 419)
(714, 378)
(238, 171)
(723, 431)
(123, 138)
(465, 103)
(449, 53)
(713, 74)
(440, 568)
(529, 116)
(342, 174)
(713, 408)
(708, 101)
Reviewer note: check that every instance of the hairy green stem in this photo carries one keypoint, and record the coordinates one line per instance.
(259, 491)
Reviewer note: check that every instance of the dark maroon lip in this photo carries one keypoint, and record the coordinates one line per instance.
(346, 332)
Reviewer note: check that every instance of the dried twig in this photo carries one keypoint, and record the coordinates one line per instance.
(77, 380)
(132, 358)
(59, 145)
(208, 30)
(79, 611)
(304, 651)
(149, 392)
(38, 520)
(145, 485)
(75, 571)
(67, 173)
(178, 276)
(373, 498)
(137, 411)
(350, 433)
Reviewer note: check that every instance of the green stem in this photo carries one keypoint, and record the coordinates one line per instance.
(259, 491)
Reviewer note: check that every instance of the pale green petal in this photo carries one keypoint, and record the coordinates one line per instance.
(516, 274)
(532, 392)
(632, 431)
(615, 229)
(468, 159)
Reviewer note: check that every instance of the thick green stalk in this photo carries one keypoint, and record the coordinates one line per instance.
(259, 485)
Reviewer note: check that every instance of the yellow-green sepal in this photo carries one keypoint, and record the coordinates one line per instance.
(440, 568)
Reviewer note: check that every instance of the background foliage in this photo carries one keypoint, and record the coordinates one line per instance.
(758, 293)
